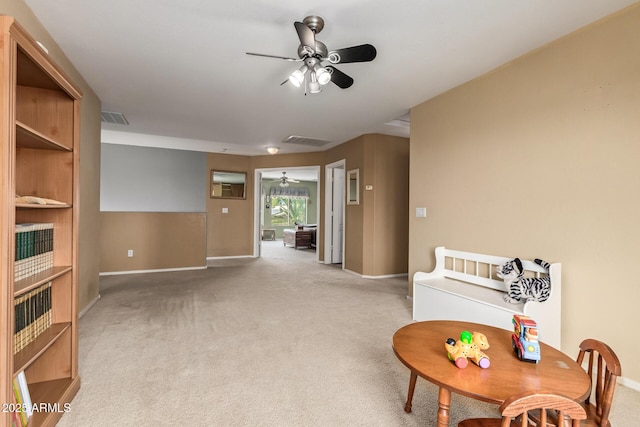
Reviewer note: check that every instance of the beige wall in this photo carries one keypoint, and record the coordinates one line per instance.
(232, 234)
(353, 153)
(89, 154)
(229, 234)
(376, 230)
(159, 240)
(376, 241)
(540, 159)
(387, 205)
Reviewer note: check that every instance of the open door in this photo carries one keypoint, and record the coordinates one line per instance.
(334, 213)
(259, 214)
(337, 224)
(308, 173)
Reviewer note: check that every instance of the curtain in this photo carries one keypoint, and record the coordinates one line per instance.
(301, 192)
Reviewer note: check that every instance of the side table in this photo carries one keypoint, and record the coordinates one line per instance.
(268, 234)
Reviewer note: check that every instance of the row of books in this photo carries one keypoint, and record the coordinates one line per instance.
(33, 249)
(32, 315)
(23, 407)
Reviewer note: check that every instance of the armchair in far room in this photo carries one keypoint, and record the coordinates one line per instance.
(313, 229)
(301, 236)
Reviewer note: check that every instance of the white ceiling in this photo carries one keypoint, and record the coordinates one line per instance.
(179, 73)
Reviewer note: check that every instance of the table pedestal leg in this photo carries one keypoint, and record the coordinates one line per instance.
(444, 403)
(412, 386)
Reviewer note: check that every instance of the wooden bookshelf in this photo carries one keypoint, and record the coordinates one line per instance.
(39, 157)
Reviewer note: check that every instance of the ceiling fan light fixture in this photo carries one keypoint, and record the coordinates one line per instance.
(284, 184)
(297, 77)
(314, 86)
(322, 75)
(312, 52)
(273, 150)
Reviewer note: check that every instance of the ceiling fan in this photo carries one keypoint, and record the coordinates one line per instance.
(313, 52)
(285, 180)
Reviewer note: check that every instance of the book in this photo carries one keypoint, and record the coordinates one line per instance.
(22, 415)
(15, 414)
(33, 249)
(35, 200)
(32, 315)
(24, 391)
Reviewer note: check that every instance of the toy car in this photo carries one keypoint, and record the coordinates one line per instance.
(525, 339)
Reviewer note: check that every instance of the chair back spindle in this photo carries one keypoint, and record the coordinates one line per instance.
(540, 401)
(603, 367)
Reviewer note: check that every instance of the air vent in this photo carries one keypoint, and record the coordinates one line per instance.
(302, 140)
(403, 121)
(115, 118)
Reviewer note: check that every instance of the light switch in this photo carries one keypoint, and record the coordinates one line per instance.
(421, 212)
(225, 210)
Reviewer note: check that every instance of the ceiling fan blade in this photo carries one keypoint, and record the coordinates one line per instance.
(306, 36)
(273, 56)
(360, 53)
(340, 79)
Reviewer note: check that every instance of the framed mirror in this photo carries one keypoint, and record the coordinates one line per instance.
(228, 185)
(353, 187)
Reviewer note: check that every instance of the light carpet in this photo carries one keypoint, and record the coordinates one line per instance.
(275, 341)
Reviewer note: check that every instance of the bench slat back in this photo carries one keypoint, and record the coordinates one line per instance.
(478, 269)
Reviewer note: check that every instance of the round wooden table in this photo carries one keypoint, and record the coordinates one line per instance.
(420, 346)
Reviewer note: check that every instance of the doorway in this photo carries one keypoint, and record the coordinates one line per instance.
(334, 213)
(279, 206)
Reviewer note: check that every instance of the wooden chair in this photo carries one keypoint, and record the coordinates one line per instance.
(520, 405)
(604, 367)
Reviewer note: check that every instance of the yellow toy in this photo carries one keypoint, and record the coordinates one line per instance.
(469, 346)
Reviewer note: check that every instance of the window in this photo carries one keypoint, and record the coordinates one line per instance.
(287, 210)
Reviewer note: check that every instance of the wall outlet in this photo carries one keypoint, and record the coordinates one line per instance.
(130, 253)
(225, 210)
(421, 212)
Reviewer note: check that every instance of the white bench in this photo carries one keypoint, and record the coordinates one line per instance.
(463, 286)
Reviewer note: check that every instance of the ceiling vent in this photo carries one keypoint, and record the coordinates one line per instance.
(115, 118)
(403, 121)
(302, 140)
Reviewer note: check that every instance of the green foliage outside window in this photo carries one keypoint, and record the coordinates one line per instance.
(288, 210)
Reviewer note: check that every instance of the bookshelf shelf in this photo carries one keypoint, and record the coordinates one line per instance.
(25, 357)
(37, 206)
(27, 137)
(61, 390)
(25, 285)
(38, 157)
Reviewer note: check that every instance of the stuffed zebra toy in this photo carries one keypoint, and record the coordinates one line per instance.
(524, 288)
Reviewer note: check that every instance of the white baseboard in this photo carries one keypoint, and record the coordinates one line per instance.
(88, 307)
(213, 258)
(351, 272)
(386, 276)
(161, 270)
(634, 385)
